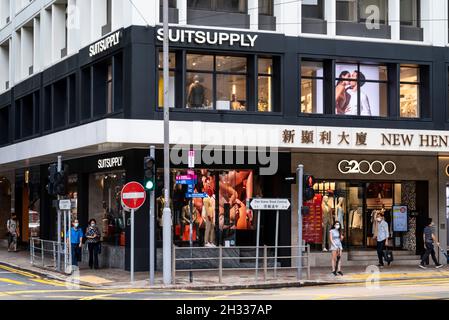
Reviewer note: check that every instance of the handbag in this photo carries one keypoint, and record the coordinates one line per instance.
(388, 256)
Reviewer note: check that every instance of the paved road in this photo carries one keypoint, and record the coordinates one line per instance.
(19, 285)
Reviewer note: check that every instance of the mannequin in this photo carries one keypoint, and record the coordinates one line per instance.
(327, 220)
(160, 204)
(185, 220)
(208, 215)
(196, 96)
(339, 212)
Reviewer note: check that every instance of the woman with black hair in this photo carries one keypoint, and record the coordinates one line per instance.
(341, 96)
(93, 243)
(335, 238)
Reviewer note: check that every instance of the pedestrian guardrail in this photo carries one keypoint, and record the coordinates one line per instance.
(269, 261)
(50, 255)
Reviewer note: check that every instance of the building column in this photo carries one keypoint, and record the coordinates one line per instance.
(182, 11)
(330, 15)
(287, 14)
(394, 19)
(253, 11)
(434, 21)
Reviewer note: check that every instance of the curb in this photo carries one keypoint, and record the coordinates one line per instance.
(211, 287)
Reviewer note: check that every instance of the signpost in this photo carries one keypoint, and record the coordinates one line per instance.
(133, 197)
(268, 205)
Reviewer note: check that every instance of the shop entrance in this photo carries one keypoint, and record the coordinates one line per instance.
(356, 204)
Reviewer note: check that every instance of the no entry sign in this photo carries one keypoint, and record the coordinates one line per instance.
(133, 195)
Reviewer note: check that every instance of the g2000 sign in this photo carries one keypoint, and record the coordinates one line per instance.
(365, 167)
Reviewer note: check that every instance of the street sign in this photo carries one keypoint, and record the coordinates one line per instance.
(133, 195)
(191, 159)
(65, 204)
(196, 195)
(270, 204)
(187, 179)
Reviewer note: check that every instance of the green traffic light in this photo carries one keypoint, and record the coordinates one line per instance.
(149, 185)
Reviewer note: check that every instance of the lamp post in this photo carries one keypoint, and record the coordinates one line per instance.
(167, 215)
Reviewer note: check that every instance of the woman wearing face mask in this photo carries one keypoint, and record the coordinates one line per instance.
(335, 238)
(93, 243)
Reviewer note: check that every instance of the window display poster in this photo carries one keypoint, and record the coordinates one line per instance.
(400, 219)
(312, 222)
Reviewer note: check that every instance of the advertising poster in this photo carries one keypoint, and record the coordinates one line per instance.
(400, 219)
(353, 81)
(312, 228)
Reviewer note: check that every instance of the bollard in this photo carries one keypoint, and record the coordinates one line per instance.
(54, 255)
(220, 265)
(265, 263)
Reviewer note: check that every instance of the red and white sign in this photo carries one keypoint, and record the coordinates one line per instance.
(133, 195)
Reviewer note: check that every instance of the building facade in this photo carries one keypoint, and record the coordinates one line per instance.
(354, 90)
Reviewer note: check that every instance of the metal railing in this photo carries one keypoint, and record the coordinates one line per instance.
(270, 261)
(50, 255)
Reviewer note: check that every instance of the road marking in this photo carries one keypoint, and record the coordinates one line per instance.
(17, 271)
(113, 293)
(6, 280)
(420, 297)
(50, 282)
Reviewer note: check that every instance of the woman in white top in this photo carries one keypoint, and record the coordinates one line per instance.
(335, 238)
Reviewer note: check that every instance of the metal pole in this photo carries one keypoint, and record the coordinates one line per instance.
(276, 246)
(69, 214)
(132, 245)
(191, 240)
(59, 240)
(257, 244)
(300, 174)
(152, 227)
(65, 242)
(167, 216)
(220, 264)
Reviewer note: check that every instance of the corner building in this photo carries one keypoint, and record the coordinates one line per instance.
(362, 104)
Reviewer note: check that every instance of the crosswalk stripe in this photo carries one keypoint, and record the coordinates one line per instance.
(10, 281)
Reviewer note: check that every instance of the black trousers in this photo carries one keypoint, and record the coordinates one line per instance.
(380, 251)
(430, 251)
(93, 255)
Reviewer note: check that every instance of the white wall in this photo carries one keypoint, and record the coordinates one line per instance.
(4, 65)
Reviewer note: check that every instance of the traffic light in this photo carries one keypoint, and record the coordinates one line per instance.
(309, 192)
(60, 182)
(150, 174)
(52, 171)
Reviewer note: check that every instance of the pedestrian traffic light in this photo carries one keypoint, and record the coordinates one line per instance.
(52, 171)
(309, 192)
(150, 174)
(60, 182)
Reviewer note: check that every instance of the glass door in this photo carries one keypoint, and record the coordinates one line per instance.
(356, 225)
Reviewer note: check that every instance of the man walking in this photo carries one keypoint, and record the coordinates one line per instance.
(76, 237)
(13, 233)
(429, 240)
(382, 236)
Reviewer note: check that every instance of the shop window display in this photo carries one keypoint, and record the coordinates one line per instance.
(233, 187)
(265, 85)
(410, 100)
(105, 205)
(361, 90)
(355, 206)
(172, 66)
(312, 80)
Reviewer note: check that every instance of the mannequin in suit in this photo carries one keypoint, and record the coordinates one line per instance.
(326, 221)
(196, 95)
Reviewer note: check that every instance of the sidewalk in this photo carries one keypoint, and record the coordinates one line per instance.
(119, 279)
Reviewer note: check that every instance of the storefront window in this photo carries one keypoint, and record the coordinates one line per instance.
(172, 66)
(105, 205)
(234, 188)
(360, 10)
(361, 90)
(265, 85)
(6, 190)
(312, 87)
(238, 6)
(313, 9)
(410, 13)
(410, 99)
(266, 7)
